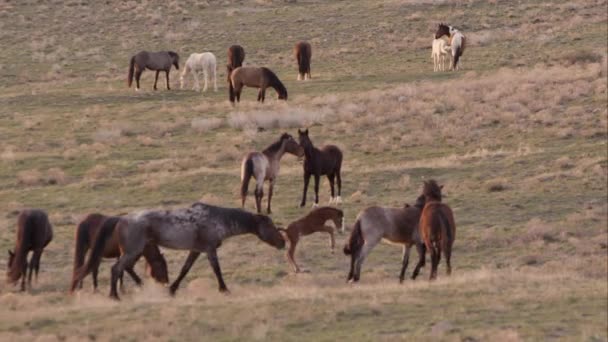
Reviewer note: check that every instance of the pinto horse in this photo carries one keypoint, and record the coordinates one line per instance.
(319, 162)
(303, 53)
(397, 225)
(313, 222)
(437, 227)
(98, 228)
(264, 166)
(34, 232)
(157, 61)
(256, 78)
(236, 56)
(457, 42)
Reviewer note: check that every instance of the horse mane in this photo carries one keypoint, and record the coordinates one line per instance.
(274, 81)
(432, 190)
(275, 146)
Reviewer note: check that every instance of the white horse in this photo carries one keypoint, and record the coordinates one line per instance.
(457, 43)
(441, 50)
(196, 63)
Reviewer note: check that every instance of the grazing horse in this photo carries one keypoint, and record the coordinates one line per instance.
(98, 228)
(303, 53)
(157, 61)
(397, 225)
(319, 162)
(457, 42)
(34, 232)
(311, 223)
(437, 227)
(200, 228)
(256, 78)
(440, 51)
(264, 166)
(200, 62)
(236, 56)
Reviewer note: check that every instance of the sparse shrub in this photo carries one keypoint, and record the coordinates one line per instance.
(202, 125)
(582, 57)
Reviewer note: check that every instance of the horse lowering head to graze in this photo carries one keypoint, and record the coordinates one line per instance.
(397, 225)
(319, 162)
(200, 62)
(264, 166)
(157, 61)
(255, 77)
(200, 228)
(437, 226)
(34, 232)
(457, 42)
(303, 53)
(236, 56)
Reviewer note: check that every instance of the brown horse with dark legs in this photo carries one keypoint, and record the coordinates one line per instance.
(34, 232)
(264, 166)
(319, 162)
(303, 53)
(98, 227)
(157, 61)
(255, 77)
(236, 56)
(437, 227)
(311, 223)
(397, 225)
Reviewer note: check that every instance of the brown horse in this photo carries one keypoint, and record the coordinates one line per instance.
(264, 166)
(88, 232)
(34, 232)
(255, 77)
(303, 53)
(319, 162)
(236, 56)
(397, 225)
(437, 227)
(313, 222)
(157, 61)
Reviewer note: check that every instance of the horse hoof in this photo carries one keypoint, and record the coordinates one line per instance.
(314, 205)
(338, 200)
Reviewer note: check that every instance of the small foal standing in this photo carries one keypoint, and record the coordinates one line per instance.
(200, 62)
(437, 227)
(34, 232)
(157, 61)
(264, 166)
(313, 222)
(319, 162)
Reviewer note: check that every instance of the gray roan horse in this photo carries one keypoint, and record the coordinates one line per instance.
(397, 225)
(200, 228)
(264, 166)
(157, 61)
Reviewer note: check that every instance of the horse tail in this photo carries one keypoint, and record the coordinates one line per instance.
(305, 58)
(82, 245)
(447, 229)
(131, 71)
(246, 173)
(104, 234)
(355, 242)
(231, 91)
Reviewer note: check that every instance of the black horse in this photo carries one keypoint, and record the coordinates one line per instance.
(157, 61)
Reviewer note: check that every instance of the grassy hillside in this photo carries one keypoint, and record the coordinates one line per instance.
(518, 137)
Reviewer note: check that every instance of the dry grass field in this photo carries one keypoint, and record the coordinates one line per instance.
(518, 137)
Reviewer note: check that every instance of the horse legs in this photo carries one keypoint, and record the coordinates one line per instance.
(167, 79)
(156, 79)
(260, 95)
(134, 276)
(306, 180)
(317, 180)
(259, 194)
(215, 264)
(185, 269)
(421, 248)
(214, 75)
(30, 272)
(94, 275)
(331, 178)
(138, 73)
(435, 258)
(270, 189)
(367, 247)
(131, 251)
(332, 241)
(339, 179)
(448, 255)
(293, 241)
(197, 85)
(205, 77)
(406, 258)
(23, 273)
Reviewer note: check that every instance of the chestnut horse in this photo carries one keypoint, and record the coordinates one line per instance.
(319, 162)
(264, 166)
(313, 222)
(34, 232)
(255, 77)
(397, 225)
(87, 235)
(157, 61)
(437, 227)
(303, 53)
(236, 56)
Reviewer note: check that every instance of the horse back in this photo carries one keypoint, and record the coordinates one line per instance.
(437, 223)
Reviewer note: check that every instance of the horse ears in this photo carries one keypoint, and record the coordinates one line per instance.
(10, 253)
(441, 187)
(306, 131)
(299, 132)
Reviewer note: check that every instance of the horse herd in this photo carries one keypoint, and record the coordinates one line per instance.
(428, 224)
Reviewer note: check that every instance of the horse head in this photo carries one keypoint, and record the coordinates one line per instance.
(420, 202)
(174, 59)
(431, 190)
(291, 146)
(157, 269)
(10, 274)
(268, 232)
(304, 139)
(442, 30)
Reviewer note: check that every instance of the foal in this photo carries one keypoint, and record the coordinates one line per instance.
(319, 162)
(303, 53)
(313, 222)
(264, 166)
(157, 61)
(34, 232)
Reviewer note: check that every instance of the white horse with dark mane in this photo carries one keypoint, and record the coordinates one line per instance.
(200, 62)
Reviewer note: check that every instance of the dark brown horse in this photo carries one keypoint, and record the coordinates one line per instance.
(88, 232)
(236, 56)
(319, 162)
(437, 227)
(157, 61)
(255, 77)
(303, 53)
(313, 222)
(34, 232)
